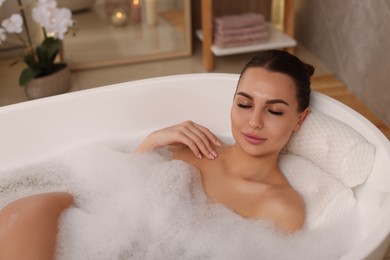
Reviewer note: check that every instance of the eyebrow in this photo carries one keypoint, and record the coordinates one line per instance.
(270, 101)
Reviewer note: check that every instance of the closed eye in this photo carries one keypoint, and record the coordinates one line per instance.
(244, 106)
(276, 113)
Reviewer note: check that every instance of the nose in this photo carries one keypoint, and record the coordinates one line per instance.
(256, 120)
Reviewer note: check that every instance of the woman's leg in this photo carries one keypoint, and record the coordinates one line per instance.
(28, 226)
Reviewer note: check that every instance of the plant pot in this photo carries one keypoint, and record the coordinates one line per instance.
(50, 85)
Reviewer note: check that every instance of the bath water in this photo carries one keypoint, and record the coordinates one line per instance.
(147, 206)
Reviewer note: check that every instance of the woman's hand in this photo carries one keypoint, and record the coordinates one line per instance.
(198, 138)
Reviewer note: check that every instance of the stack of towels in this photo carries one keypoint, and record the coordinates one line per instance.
(240, 30)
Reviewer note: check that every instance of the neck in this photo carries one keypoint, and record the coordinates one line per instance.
(248, 167)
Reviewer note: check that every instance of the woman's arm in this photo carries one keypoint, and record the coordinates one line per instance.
(198, 138)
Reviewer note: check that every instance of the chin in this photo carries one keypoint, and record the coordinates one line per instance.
(254, 150)
(257, 153)
(257, 150)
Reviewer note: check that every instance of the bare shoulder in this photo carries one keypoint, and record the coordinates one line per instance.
(183, 153)
(285, 207)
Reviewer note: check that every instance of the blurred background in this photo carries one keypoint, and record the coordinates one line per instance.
(122, 40)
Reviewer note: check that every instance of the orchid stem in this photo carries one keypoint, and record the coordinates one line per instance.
(30, 45)
(21, 39)
(44, 32)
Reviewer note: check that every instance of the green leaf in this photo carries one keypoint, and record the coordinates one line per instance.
(41, 62)
(31, 62)
(27, 75)
(42, 57)
(52, 47)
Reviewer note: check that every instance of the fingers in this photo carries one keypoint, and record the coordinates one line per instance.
(199, 139)
(214, 139)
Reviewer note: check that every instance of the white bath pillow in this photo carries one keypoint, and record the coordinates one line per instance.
(335, 147)
(325, 198)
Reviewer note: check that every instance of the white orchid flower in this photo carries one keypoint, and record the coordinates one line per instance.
(3, 36)
(56, 21)
(14, 24)
(1, 2)
(42, 14)
(63, 20)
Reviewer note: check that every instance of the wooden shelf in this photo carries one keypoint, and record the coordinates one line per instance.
(277, 40)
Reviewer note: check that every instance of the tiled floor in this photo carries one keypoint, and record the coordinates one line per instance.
(11, 93)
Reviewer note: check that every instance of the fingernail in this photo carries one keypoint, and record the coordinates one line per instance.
(211, 156)
(199, 156)
(218, 143)
(214, 153)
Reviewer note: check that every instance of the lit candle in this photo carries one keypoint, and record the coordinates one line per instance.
(151, 12)
(135, 11)
(119, 17)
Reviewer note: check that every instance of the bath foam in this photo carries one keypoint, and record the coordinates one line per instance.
(146, 207)
(38, 177)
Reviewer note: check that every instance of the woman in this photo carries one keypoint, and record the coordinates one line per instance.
(270, 103)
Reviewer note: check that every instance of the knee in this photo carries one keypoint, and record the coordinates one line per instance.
(29, 225)
(62, 200)
(53, 202)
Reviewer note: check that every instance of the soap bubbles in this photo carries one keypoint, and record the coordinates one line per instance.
(148, 206)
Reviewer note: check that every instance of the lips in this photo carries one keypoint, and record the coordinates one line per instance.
(253, 139)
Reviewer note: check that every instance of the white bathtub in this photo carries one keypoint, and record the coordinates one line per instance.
(35, 129)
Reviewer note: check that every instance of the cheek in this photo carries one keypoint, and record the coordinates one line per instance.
(234, 118)
(236, 123)
(237, 117)
(283, 128)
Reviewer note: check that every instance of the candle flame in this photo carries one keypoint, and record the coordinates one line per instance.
(136, 2)
(119, 14)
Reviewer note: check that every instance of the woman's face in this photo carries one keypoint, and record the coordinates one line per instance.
(265, 111)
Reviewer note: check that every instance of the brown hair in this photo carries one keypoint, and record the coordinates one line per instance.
(284, 62)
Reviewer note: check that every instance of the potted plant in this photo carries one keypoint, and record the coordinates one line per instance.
(44, 74)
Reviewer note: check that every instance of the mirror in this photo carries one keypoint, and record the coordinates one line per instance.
(114, 32)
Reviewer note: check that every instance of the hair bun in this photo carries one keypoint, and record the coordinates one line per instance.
(310, 69)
